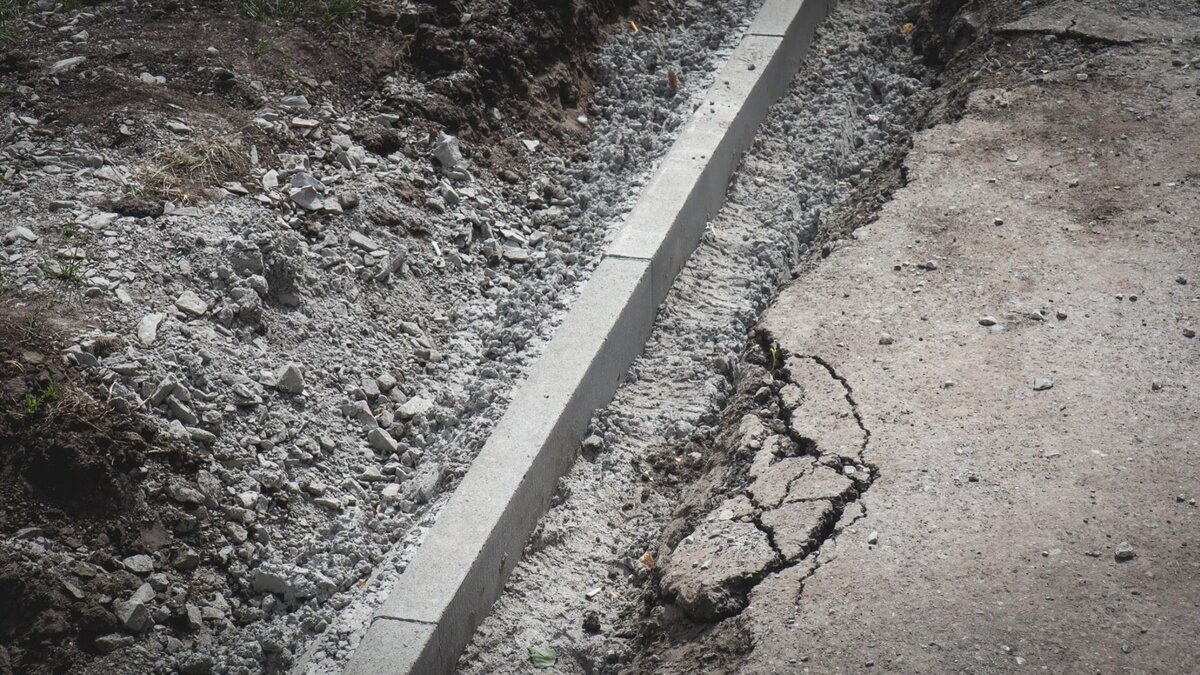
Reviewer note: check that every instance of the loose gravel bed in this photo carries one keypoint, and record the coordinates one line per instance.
(826, 153)
(327, 344)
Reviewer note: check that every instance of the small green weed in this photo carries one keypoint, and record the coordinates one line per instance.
(35, 404)
(69, 270)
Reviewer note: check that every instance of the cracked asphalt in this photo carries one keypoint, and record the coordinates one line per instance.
(1017, 329)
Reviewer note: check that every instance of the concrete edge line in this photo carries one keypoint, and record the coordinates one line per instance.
(460, 568)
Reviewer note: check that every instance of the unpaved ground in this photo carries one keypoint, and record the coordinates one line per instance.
(1009, 353)
(243, 220)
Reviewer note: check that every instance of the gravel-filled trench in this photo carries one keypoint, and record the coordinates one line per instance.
(827, 154)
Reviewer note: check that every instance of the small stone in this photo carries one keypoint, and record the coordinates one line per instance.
(1182, 281)
(112, 642)
(593, 443)
(448, 151)
(1042, 383)
(413, 407)
(1062, 316)
(885, 339)
(1124, 552)
(147, 328)
(382, 441)
(20, 233)
(385, 382)
(140, 564)
(391, 492)
(184, 494)
(1189, 333)
(987, 321)
(195, 620)
(134, 616)
(362, 241)
(295, 102)
(73, 590)
(66, 64)
(191, 303)
(290, 379)
(307, 198)
(266, 581)
(328, 502)
(873, 538)
(998, 221)
(144, 593)
(195, 664)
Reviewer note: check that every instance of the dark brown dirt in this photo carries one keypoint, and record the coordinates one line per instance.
(69, 469)
(530, 59)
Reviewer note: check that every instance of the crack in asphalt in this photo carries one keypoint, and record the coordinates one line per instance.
(831, 525)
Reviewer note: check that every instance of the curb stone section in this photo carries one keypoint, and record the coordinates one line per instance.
(690, 185)
(461, 566)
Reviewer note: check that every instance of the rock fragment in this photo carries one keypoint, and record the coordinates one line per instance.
(147, 329)
(290, 379)
(191, 303)
(1124, 552)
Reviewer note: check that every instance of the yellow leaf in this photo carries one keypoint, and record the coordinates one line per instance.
(907, 28)
(647, 559)
(633, 26)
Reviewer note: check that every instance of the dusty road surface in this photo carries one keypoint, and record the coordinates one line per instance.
(1005, 364)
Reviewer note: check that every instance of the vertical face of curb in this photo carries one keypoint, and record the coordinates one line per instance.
(461, 566)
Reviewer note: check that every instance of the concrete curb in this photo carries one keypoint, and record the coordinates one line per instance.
(460, 568)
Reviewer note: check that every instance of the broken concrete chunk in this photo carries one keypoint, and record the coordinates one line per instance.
(709, 570)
